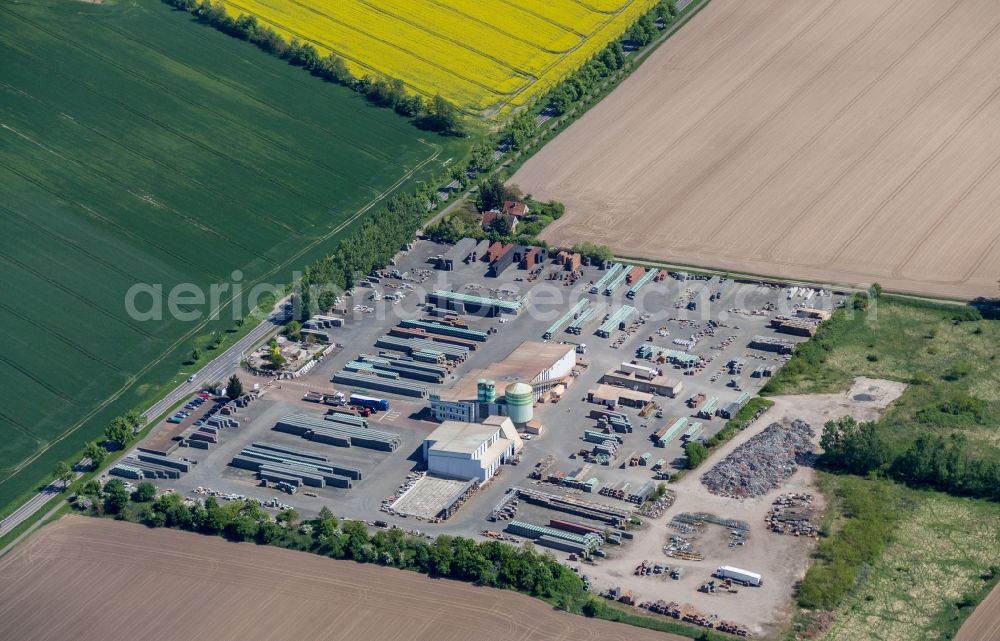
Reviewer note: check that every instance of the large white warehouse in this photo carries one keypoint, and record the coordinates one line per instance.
(471, 450)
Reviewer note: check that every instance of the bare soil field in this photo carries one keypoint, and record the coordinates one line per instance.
(97, 580)
(984, 624)
(782, 560)
(840, 141)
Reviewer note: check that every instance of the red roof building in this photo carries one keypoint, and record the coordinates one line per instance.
(515, 208)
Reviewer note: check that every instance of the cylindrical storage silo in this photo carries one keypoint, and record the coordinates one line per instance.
(520, 402)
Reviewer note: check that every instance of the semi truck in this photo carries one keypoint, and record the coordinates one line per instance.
(376, 404)
(744, 577)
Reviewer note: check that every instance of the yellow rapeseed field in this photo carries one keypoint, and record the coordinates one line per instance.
(485, 57)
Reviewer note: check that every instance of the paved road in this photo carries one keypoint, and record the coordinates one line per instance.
(218, 369)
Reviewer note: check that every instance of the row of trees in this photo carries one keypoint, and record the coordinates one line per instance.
(118, 433)
(944, 462)
(871, 509)
(371, 246)
(490, 563)
(611, 59)
(435, 115)
(123, 429)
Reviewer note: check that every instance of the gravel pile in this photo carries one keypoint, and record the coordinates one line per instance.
(762, 463)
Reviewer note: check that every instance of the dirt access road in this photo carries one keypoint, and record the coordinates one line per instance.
(839, 141)
(782, 560)
(99, 580)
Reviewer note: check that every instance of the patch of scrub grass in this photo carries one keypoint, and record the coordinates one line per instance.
(952, 364)
(942, 561)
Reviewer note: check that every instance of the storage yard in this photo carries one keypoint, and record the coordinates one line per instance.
(208, 588)
(840, 142)
(570, 434)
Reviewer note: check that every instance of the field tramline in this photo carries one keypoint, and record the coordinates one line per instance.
(483, 60)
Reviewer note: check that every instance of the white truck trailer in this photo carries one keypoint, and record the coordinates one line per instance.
(740, 576)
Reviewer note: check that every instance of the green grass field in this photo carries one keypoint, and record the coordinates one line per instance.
(139, 146)
(941, 562)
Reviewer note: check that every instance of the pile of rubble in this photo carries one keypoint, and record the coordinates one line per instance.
(681, 548)
(655, 509)
(762, 463)
(792, 514)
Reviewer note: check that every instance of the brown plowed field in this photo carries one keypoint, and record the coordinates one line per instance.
(984, 624)
(845, 141)
(95, 580)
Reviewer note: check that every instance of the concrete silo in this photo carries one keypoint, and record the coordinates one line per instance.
(520, 402)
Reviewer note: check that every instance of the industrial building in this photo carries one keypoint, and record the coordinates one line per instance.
(472, 305)
(508, 255)
(528, 373)
(612, 397)
(469, 450)
(458, 253)
(643, 379)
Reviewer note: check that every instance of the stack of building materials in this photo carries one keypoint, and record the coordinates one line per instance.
(576, 528)
(792, 514)
(408, 362)
(445, 330)
(730, 410)
(797, 326)
(413, 345)
(278, 463)
(323, 322)
(618, 280)
(613, 418)
(640, 495)
(762, 463)
(693, 433)
(336, 433)
(150, 466)
(346, 419)
(570, 505)
(707, 411)
(771, 344)
(532, 257)
(127, 471)
(663, 436)
(222, 421)
(664, 355)
(468, 304)
(417, 333)
(370, 368)
(637, 285)
(608, 276)
(571, 315)
(615, 321)
(583, 544)
(569, 261)
(617, 490)
(600, 437)
(372, 381)
(576, 327)
(387, 368)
